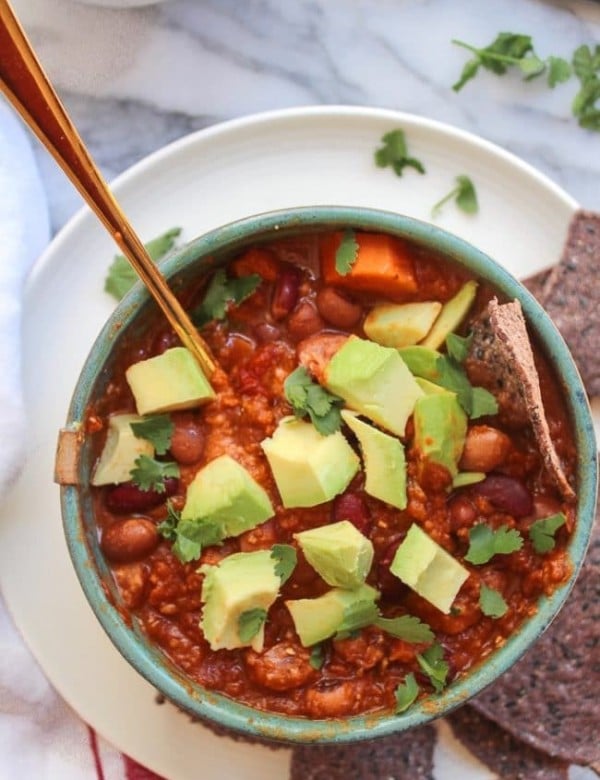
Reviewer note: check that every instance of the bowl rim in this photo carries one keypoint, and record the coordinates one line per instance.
(218, 708)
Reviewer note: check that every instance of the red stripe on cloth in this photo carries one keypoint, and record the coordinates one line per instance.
(134, 771)
(95, 753)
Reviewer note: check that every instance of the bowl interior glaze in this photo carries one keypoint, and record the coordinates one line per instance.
(131, 318)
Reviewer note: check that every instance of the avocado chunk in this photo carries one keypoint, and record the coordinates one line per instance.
(121, 450)
(440, 430)
(374, 381)
(338, 552)
(384, 460)
(401, 324)
(237, 592)
(430, 388)
(452, 314)
(224, 494)
(309, 468)
(318, 619)
(428, 569)
(170, 381)
(464, 478)
(421, 361)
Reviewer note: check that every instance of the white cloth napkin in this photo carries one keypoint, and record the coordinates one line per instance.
(40, 736)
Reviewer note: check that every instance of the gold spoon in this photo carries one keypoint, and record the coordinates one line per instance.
(27, 87)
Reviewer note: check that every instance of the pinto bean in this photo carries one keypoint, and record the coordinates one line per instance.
(304, 321)
(508, 494)
(315, 352)
(285, 294)
(128, 497)
(334, 697)
(485, 449)
(281, 668)
(352, 507)
(336, 309)
(187, 440)
(129, 539)
(462, 512)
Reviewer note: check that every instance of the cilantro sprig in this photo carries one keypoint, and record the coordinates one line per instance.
(150, 474)
(511, 50)
(250, 622)
(309, 398)
(220, 293)
(491, 602)
(435, 667)
(157, 429)
(286, 558)
(406, 693)
(188, 537)
(317, 656)
(121, 277)
(346, 253)
(542, 532)
(586, 104)
(365, 613)
(394, 154)
(464, 195)
(485, 542)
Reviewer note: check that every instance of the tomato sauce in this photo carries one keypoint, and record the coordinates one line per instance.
(255, 346)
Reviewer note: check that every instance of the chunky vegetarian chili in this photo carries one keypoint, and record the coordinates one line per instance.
(367, 499)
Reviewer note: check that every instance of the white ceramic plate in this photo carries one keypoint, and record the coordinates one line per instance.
(297, 157)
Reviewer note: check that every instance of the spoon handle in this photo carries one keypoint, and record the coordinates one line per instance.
(27, 87)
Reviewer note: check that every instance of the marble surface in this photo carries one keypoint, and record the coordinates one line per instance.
(138, 78)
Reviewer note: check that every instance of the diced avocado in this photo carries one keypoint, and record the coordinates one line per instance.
(170, 381)
(309, 468)
(428, 569)
(400, 324)
(440, 429)
(465, 478)
(385, 464)
(338, 552)
(238, 584)
(318, 619)
(430, 388)
(223, 493)
(452, 314)
(374, 381)
(421, 361)
(121, 449)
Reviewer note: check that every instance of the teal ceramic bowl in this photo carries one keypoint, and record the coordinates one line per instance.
(131, 317)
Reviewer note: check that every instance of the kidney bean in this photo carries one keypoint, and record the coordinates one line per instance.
(128, 497)
(187, 440)
(485, 449)
(336, 309)
(388, 584)
(462, 512)
(266, 333)
(285, 294)
(506, 493)
(304, 321)
(352, 507)
(129, 539)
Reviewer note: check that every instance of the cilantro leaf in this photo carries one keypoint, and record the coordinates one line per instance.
(586, 104)
(188, 536)
(483, 403)
(464, 194)
(476, 401)
(484, 542)
(435, 667)
(542, 532)
(286, 559)
(150, 474)
(559, 71)
(121, 277)
(157, 429)
(309, 398)
(492, 602)
(458, 346)
(394, 153)
(357, 615)
(220, 292)
(406, 693)
(406, 627)
(346, 253)
(250, 622)
(317, 656)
